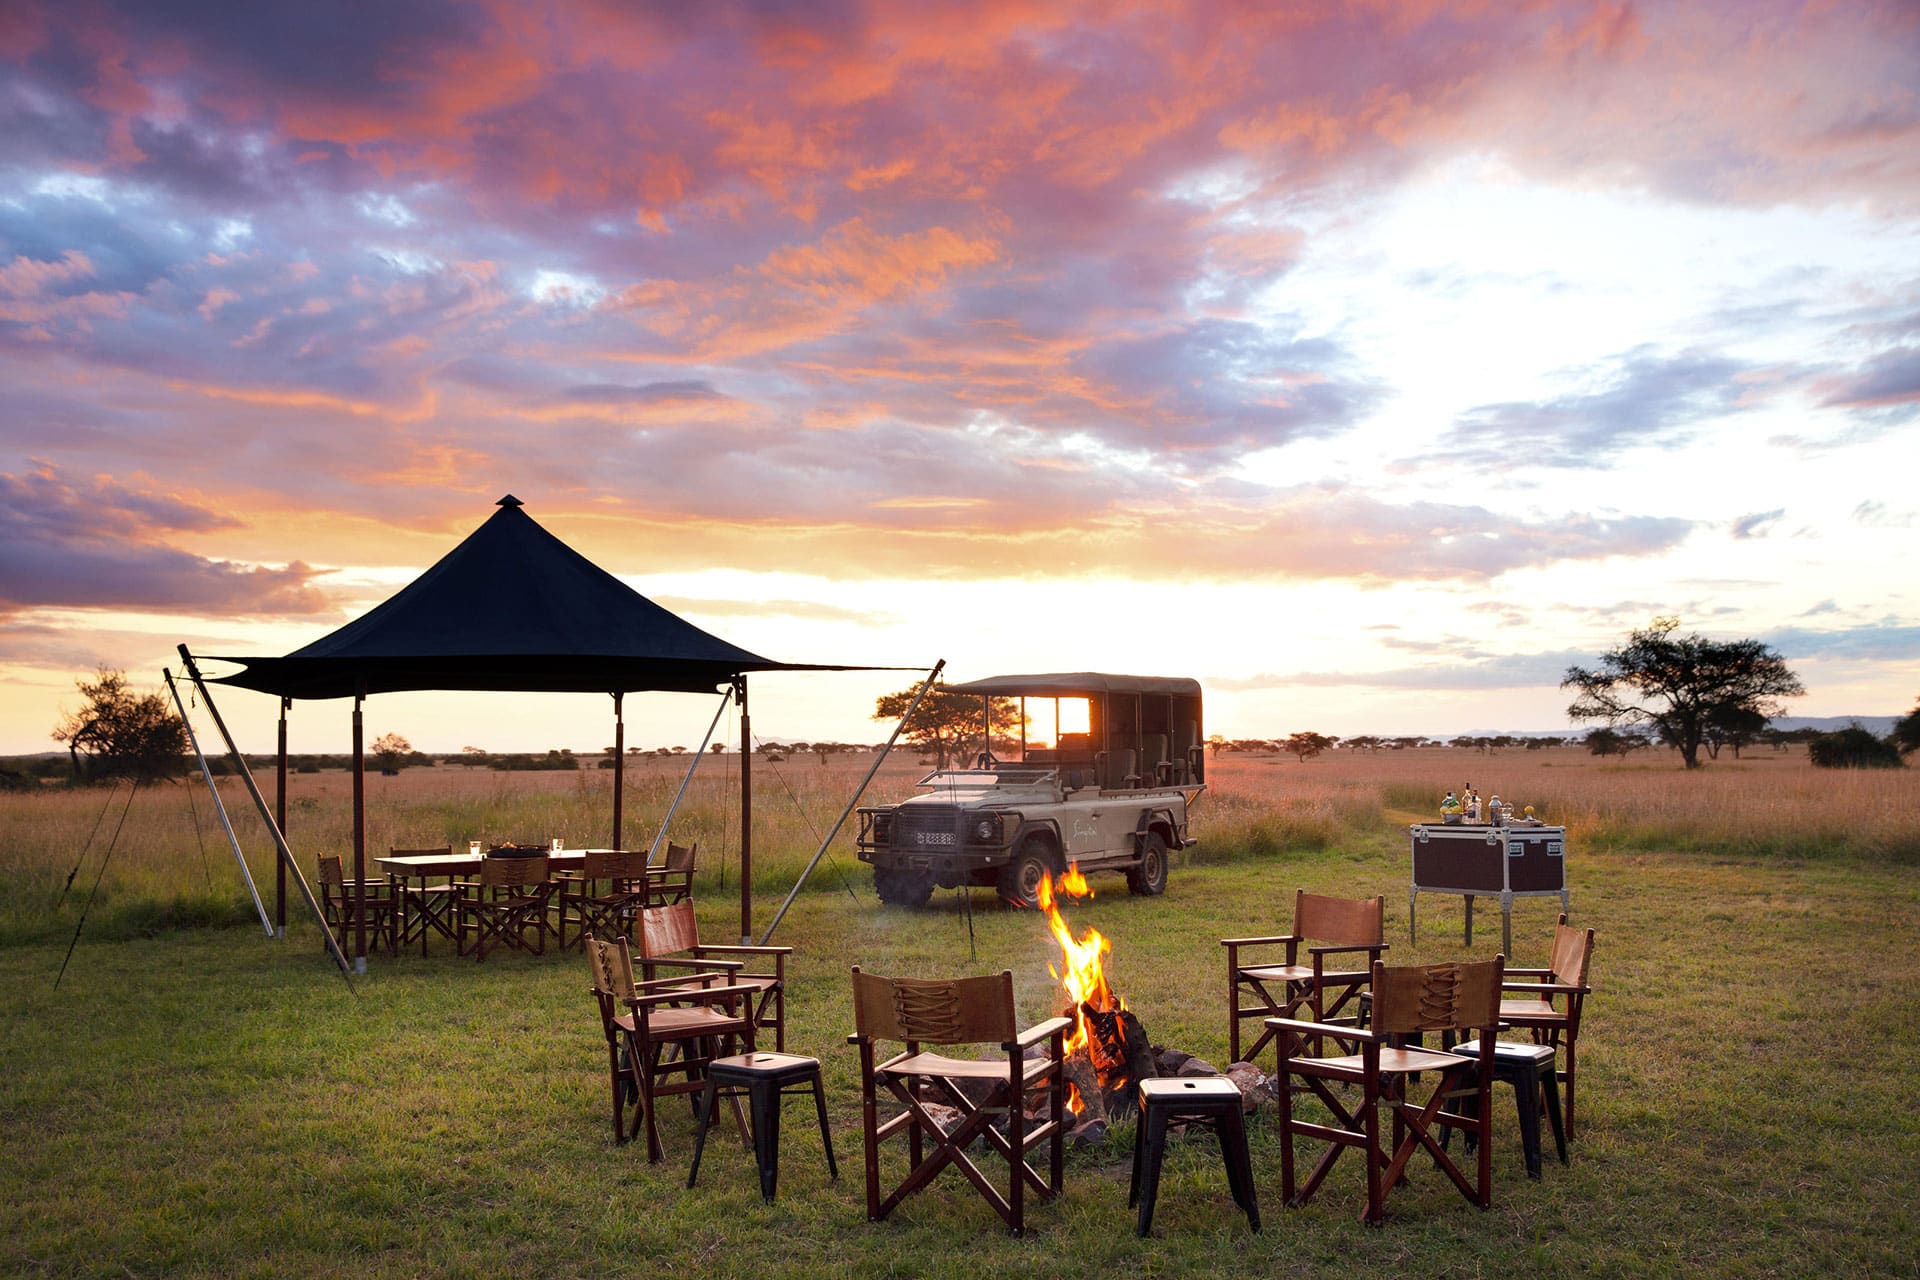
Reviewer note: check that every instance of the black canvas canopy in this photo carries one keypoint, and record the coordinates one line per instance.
(512, 608)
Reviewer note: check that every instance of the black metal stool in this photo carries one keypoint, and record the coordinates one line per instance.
(1214, 1101)
(1529, 1069)
(765, 1079)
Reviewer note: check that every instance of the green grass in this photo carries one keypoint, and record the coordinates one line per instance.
(211, 1103)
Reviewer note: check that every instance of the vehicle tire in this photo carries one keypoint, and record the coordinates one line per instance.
(1019, 884)
(902, 888)
(1149, 879)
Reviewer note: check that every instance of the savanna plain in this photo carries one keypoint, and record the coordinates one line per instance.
(190, 1097)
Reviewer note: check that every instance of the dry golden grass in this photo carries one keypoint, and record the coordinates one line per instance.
(170, 864)
(1765, 804)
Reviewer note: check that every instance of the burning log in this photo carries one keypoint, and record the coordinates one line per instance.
(1117, 1045)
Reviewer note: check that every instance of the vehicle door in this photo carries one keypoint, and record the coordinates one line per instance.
(1083, 829)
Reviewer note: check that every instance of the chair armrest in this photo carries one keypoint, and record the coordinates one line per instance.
(680, 995)
(741, 949)
(666, 984)
(1321, 1029)
(1516, 972)
(1257, 942)
(716, 966)
(1545, 988)
(1041, 1030)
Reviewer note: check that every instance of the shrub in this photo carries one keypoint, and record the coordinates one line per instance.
(1854, 748)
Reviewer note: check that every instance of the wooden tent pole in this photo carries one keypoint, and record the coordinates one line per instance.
(280, 816)
(619, 770)
(746, 813)
(359, 834)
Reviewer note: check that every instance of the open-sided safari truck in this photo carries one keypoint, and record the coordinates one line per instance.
(1109, 790)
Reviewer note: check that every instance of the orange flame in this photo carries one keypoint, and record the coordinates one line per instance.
(1084, 976)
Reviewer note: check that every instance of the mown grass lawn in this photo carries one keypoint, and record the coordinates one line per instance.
(209, 1102)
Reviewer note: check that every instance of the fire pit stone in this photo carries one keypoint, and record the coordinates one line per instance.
(1253, 1085)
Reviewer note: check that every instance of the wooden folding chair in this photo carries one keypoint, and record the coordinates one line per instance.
(1533, 1006)
(1343, 927)
(425, 908)
(604, 898)
(698, 1023)
(507, 901)
(990, 1096)
(341, 899)
(672, 880)
(671, 935)
(1408, 1001)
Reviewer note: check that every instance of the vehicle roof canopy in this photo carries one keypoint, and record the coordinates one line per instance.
(1077, 684)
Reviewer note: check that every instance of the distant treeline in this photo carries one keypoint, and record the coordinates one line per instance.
(57, 768)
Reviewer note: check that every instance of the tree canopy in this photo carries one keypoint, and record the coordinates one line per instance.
(1853, 748)
(120, 733)
(945, 723)
(391, 751)
(1906, 730)
(1306, 745)
(1681, 686)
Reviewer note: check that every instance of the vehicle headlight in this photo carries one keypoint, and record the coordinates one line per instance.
(986, 830)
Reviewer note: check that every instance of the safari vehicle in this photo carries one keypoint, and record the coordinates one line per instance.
(1110, 792)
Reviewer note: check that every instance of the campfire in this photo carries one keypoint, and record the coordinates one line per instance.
(1107, 1052)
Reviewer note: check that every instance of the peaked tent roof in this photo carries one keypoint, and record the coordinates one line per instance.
(511, 608)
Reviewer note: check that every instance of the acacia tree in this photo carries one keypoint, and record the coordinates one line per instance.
(391, 750)
(1606, 742)
(120, 733)
(945, 723)
(1678, 685)
(1734, 727)
(1305, 746)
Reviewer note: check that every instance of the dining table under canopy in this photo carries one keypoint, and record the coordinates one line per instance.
(512, 608)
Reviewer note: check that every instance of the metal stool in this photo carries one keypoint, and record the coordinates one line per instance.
(1210, 1100)
(1529, 1069)
(765, 1079)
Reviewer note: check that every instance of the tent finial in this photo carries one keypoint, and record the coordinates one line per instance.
(509, 501)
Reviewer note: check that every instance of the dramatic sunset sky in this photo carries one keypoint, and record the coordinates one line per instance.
(1369, 360)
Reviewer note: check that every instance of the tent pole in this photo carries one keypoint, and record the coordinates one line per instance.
(280, 816)
(746, 812)
(218, 806)
(266, 816)
(359, 833)
(653, 850)
(619, 769)
(854, 799)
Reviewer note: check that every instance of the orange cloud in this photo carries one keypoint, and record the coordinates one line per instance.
(808, 291)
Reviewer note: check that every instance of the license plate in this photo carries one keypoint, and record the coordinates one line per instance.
(933, 837)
